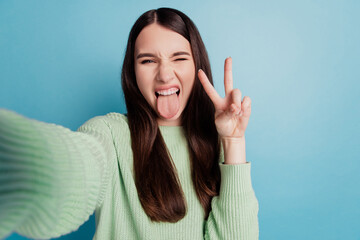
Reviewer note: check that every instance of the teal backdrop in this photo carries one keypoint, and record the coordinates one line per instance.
(298, 61)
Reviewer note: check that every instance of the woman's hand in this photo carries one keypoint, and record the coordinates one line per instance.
(231, 115)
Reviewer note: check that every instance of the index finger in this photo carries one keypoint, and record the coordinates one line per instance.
(228, 76)
(210, 90)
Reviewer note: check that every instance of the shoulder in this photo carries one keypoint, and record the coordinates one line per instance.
(116, 121)
(109, 121)
(116, 117)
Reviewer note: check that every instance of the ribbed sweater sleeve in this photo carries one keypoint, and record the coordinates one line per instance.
(234, 213)
(51, 178)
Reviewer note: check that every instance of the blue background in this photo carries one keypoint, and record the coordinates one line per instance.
(299, 62)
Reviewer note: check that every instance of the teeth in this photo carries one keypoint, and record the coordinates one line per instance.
(168, 91)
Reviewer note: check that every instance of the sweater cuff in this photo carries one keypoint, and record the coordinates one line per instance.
(235, 179)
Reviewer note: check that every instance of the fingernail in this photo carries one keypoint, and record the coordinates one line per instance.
(199, 70)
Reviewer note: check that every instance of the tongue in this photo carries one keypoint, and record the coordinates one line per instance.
(168, 106)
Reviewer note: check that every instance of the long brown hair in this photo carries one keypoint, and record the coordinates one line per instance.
(166, 202)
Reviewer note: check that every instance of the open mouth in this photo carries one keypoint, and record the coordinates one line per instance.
(167, 92)
(168, 102)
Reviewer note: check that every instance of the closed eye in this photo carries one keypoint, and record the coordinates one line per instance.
(181, 59)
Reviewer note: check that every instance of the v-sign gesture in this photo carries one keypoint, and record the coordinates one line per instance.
(231, 115)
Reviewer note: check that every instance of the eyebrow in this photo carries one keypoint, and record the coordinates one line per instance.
(141, 55)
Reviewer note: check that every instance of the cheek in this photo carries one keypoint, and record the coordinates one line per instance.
(187, 71)
(189, 77)
(144, 89)
(142, 81)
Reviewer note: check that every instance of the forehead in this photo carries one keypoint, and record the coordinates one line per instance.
(160, 40)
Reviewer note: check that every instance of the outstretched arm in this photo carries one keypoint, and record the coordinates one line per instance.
(51, 178)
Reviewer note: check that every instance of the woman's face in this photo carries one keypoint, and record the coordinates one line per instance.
(165, 71)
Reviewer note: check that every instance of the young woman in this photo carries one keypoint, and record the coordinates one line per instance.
(174, 167)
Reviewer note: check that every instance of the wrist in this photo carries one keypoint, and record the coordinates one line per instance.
(231, 140)
(234, 150)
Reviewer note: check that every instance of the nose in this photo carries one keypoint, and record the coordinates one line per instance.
(165, 72)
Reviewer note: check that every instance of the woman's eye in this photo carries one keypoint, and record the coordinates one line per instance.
(147, 61)
(180, 59)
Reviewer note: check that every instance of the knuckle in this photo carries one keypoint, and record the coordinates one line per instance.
(247, 99)
(237, 91)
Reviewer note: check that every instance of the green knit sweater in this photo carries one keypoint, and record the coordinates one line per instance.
(52, 179)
